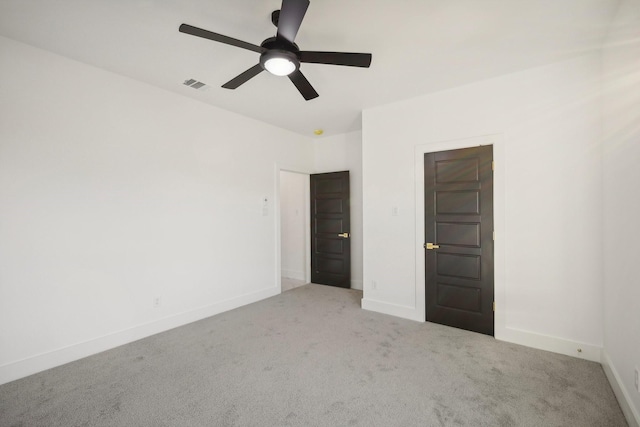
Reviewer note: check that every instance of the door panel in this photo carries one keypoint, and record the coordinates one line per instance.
(459, 222)
(329, 246)
(457, 202)
(330, 252)
(457, 171)
(327, 226)
(330, 206)
(459, 297)
(331, 185)
(460, 266)
(458, 234)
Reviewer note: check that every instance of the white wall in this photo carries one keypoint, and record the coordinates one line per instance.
(621, 154)
(294, 212)
(113, 193)
(548, 186)
(342, 153)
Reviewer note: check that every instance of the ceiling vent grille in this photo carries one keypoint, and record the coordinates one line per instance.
(195, 84)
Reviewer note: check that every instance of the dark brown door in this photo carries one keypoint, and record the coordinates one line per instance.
(459, 234)
(330, 229)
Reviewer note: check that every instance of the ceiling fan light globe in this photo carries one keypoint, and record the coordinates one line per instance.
(280, 66)
(279, 62)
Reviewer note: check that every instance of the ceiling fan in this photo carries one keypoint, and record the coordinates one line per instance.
(279, 55)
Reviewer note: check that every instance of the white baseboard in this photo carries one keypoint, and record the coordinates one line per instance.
(631, 413)
(392, 309)
(516, 336)
(22, 368)
(549, 343)
(292, 274)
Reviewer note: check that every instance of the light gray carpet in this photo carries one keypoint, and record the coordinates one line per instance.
(312, 357)
(287, 283)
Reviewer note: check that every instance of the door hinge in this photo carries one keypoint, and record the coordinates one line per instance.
(494, 306)
(493, 165)
(494, 235)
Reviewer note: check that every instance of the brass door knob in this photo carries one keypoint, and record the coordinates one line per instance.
(344, 235)
(431, 246)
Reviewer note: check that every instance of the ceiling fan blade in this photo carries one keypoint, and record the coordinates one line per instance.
(243, 78)
(303, 85)
(337, 58)
(199, 32)
(291, 16)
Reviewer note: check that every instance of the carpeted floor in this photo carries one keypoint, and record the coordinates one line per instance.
(287, 284)
(312, 357)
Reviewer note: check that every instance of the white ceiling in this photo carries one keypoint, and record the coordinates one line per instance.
(418, 46)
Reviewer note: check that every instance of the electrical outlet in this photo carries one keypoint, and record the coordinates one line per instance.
(156, 302)
(637, 380)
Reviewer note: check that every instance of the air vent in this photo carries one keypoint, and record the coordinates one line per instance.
(195, 84)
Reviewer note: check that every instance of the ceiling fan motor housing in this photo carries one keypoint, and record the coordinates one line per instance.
(277, 48)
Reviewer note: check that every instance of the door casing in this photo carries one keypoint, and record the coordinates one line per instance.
(418, 312)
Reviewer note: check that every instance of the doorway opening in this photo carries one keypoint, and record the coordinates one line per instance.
(295, 257)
